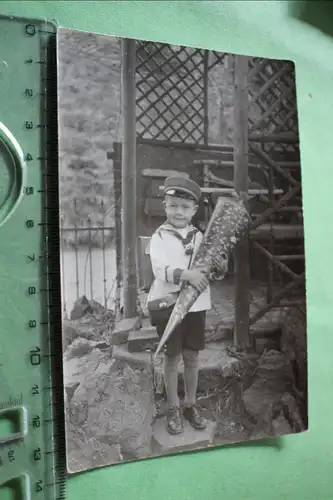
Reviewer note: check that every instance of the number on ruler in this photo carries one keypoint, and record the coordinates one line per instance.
(35, 356)
(28, 157)
(11, 455)
(32, 323)
(35, 390)
(39, 486)
(36, 422)
(28, 125)
(31, 257)
(29, 190)
(29, 92)
(30, 223)
(37, 454)
(30, 29)
(32, 290)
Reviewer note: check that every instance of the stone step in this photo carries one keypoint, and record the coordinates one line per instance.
(215, 364)
(122, 330)
(190, 439)
(144, 339)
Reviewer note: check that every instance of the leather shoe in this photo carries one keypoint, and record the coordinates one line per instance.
(174, 420)
(191, 413)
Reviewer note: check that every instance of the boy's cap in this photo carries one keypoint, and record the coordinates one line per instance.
(182, 187)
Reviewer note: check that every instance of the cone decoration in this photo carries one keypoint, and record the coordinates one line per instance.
(227, 225)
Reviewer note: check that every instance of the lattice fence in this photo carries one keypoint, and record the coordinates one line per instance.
(174, 88)
(272, 93)
(172, 91)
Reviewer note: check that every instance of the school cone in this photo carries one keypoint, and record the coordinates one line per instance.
(227, 225)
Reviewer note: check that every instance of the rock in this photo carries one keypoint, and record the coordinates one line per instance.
(274, 378)
(92, 453)
(91, 327)
(96, 308)
(91, 373)
(218, 332)
(81, 308)
(190, 439)
(281, 426)
(69, 333)
(77, 329)
(111, 398)
(265, 343)
(125, 413)
(70, 388)
(143, 339)
(79, 347)
(120, 334)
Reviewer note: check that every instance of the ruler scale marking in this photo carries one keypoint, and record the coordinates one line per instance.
(40, 469)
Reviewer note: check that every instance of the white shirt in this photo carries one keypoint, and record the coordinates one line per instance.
(168, 253)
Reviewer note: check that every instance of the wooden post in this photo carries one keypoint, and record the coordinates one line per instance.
(128, 167)
(206, 129)
(241, 254)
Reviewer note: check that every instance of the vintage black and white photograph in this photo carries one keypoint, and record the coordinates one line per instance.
(182, 249)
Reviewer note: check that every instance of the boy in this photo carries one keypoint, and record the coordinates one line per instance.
(172, 249)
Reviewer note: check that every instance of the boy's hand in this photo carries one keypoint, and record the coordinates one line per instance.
(196, 277)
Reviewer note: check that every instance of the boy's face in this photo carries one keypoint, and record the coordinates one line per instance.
(179, 211)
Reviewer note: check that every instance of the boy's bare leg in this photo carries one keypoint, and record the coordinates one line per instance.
(174, 421)
(191, 373)
(171, 379)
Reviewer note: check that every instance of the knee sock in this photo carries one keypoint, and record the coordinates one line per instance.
(171, 379)
(191, 372)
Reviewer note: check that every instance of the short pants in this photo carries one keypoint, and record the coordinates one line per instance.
(189, 334)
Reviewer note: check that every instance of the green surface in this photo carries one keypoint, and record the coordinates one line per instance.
(301, 466)
(24, 340)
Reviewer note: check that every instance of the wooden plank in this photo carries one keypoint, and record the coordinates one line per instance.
(163, 174)
(290, 257)
(252, 192)
(241, 183)
(279, 231)
(128, 195)
(281, 137)
(184, 145)
(231, 191)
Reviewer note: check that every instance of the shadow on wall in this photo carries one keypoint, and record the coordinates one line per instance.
(318, 14)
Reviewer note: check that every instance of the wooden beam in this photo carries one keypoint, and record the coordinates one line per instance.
(185, 145)
(271, 163)
(290, 257)
(278, 231)
(280, 137)
(128, 195)
(252, 192)
(163, 174)
(232, 191)
(284, 199)
(241, 183)
(274, 260)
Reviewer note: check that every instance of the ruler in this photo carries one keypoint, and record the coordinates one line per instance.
(32, 437)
